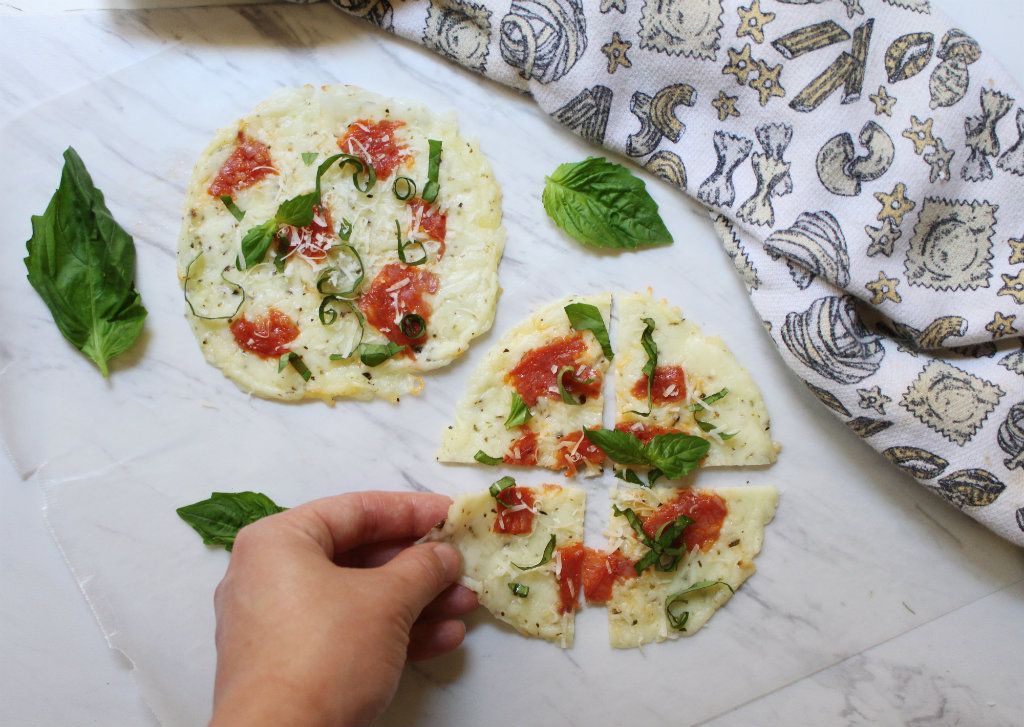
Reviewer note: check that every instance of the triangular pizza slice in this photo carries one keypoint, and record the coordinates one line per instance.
(520, 553)
(670, 377)
(693, 549)
(536, 391)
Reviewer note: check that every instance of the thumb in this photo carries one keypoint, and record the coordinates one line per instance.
(419, 573)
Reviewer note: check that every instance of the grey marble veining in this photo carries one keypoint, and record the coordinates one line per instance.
(861, 568)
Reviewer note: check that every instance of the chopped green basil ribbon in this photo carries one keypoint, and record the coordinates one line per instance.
(374, 354)
(678, 618)
(296, 363)
(188, 277)
(431, 188)
(519, 590)
(549, 550)
(675, 454)
(483, 458)
(518, 413)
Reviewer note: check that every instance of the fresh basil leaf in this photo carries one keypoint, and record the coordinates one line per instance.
(296, 363)
(586, 317)
(483, 458)
(621, 447)
(308, 157)
(519, 590)
(634, 522)
(518, 413)
(431, 188)
(233, 208)
(326, 285)
(676, 454)
(601, 204)
(219, 518)
(567, 396)
(82, 264)
(374, 354)
(549, 550)
(256, 242)
(297, 211)
(677, 618)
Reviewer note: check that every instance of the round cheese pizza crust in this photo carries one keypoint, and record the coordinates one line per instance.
(300, 128)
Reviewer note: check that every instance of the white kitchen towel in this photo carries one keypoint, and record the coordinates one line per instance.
(864, 164)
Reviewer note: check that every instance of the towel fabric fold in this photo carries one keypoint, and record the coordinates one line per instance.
(864, 167)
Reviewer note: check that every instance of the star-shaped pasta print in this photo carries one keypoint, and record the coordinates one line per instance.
(1001, 325)
(608, 5)
(616, 50)
(883, 102)
(938, 160)
(883, 289)
(1013, 285)
(767, 82)
(895, 205)
(752, 21)
(920, 132)
(873, 398)
(725, 106)
(1016, 251)
(740, 64)
(882, 238)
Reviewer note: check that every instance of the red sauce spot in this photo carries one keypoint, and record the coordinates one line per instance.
(389, 298)
(267, 336)
(601, 571)
(665, 377)
(533, 377)
(523, 451)
(567, 459)
(431, 221)
(569, 577)
(315, 239)
(376, 143)
(707, 510)
(644, 432)
(247, 164)
(518, 522)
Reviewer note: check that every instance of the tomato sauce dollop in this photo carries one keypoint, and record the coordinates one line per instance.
(315, 239)
(268, 336)
(644, 432)
(601, 571)
(569, 577)
(523, 451)
(518, 521)
(431, 221)
(397, 291)
(569, 456)
(376, 143)
(247, 164)
(666, 379)
(706, 509)
(533, 376)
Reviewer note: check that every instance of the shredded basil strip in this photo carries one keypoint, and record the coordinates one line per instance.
(674, 454)
(567, 396)
(503, 484)
(647, 341)
(374, 354)
(233, 208)
(328, 315)
(344, 229)
(519, 590)
(630, 476)
(402, 245)
(549, 550)
(676, 618)
(518, 413)
(413, 326)
(323, 283)
(586, 317)
(483, 458)
(361, 168)
(296, 363)
(662, 555)
(403, 188)
(431, 188)
(308, 157)
(698, 405)
(188, 272)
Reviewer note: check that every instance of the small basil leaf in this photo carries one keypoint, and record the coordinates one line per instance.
(676, 454)
(586, 317)
(374, 354)
(601, 204)
(219, 518)
(308, 157)
(413, 326)
(518, 413)
(621, 447)
(549, 550)
(567, 396)
(698, 405)
(483, 458)
(403, 188)
(256, 242)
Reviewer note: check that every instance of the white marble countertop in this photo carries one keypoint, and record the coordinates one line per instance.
(874, 603)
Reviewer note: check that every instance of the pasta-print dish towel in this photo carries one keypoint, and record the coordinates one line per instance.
(864, 164)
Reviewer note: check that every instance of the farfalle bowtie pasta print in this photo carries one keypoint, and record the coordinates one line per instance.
(863, 161)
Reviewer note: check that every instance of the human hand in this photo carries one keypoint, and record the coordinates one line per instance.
(321, 606)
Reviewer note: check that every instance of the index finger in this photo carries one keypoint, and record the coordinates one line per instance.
(342, 522)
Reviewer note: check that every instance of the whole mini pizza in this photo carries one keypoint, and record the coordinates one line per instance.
(337, 243)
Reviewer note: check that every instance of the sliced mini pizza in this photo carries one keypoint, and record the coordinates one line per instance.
(337, 243)
(670, 378)
(521, 553)
(537, 391)
(689, 551)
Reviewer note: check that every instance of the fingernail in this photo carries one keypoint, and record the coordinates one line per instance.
(451, 559)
